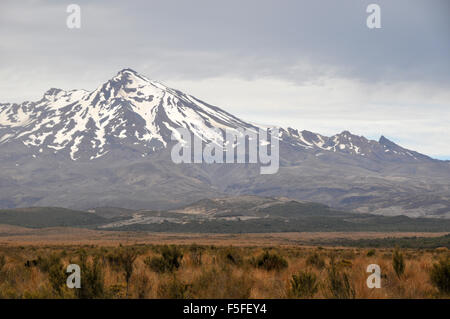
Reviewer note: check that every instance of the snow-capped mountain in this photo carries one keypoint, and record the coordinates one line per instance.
(111, 147)
(137, 114)
(127, 111)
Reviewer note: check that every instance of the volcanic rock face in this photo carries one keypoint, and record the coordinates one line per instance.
(111, 146)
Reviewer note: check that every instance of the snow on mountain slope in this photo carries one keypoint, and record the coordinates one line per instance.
(128, 110)
(132, 113)
(350, 144)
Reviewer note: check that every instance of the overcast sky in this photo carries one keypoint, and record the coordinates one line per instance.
(306, 64)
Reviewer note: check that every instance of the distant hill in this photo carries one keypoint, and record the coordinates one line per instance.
(238, 214)
(254, 214)
(39, 217)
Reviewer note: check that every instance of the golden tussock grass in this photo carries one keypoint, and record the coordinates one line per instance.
(216, 272)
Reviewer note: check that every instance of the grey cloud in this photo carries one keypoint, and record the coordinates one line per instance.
(257, 37)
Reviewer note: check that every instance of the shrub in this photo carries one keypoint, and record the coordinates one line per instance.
(315, 260)
(270, 261)
(339, 283)
(222, 282)
(31, 263)
(2, 262)
(45, 263)
(345, 263)
(169, 261)
(114, 262)
(371, 253)
(398, 263)
(57, 278)
(196, 254)
(53, 266)
(232, 256)
(440, 275)
(157, 264)
(92, 278)
(125, 260)
(142, 285)
(348, 254)
(173, 289)
(304, 284)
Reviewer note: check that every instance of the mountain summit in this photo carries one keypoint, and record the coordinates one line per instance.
(129, 112)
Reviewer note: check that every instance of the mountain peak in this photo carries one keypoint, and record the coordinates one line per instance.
(53, 94)
(128, 73)
(126, 80)
(347, 134)
(53, 91)
(387, 143)
(384, 140)
(127, 70)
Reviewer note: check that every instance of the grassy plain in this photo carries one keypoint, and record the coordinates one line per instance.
(275, 265)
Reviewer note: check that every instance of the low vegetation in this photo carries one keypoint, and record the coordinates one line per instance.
(169, 261)
(270, 261)
(398, 263)
(196, 271)
(338, 282)
(440, 275)
(304, 284)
